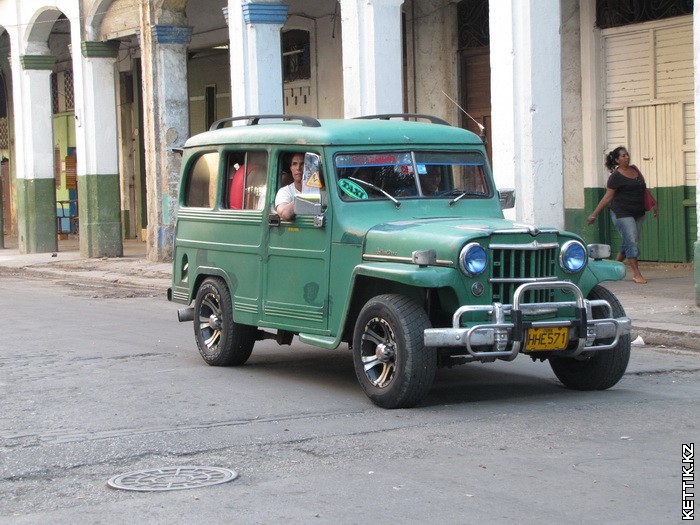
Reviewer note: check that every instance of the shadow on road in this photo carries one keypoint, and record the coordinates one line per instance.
(330, 370)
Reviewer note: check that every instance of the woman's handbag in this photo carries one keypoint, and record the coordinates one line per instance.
(649, 201)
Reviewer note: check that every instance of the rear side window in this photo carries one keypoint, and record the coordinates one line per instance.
(246, 185)
(201, 181)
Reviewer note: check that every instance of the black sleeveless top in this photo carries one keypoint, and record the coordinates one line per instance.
(629, 194)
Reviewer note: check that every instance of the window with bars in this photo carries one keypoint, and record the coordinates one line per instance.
(62, 97)
(473, 23)
(296, 55)
(616, 13)
(68, 89)
(4, 134)
(55, 107)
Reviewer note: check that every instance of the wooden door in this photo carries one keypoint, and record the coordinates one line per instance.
(476, 91)
(656, 147)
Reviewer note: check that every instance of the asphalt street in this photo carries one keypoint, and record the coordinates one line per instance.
(100, 380)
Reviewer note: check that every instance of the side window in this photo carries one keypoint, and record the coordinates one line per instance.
(300, 181)
(201, 181)
(246, 186)
(307, 170)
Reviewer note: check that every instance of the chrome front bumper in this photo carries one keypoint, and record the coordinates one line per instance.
(505, 340)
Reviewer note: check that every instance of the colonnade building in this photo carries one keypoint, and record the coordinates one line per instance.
(96, 97)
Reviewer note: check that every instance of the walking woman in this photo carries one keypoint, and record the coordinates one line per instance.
(625, 196)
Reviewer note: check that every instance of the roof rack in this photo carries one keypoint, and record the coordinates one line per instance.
(253, 120)
(387, 116)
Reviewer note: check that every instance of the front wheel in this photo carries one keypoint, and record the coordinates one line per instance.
(221, 340)
(392, 364)
(597, 370)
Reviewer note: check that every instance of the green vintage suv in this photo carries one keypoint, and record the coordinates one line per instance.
(399, 248)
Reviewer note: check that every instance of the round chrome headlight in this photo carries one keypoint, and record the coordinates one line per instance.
(473, 259)
(573, 256)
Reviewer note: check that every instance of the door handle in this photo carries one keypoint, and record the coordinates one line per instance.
(647, 158)
(274, 220)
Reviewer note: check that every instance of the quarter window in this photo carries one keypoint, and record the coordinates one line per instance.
(201, 182)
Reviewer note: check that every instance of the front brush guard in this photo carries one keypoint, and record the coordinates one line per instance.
(506, 339)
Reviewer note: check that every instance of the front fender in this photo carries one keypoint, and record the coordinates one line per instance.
(599, 271)
(412, 275)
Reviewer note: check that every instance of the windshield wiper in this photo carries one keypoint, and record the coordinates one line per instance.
(464, 193)
(377, 188)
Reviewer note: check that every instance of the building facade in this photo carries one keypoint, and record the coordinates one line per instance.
(96, 97)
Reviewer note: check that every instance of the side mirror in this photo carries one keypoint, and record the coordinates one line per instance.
(312, 199)
(507, 198)
(312, 179)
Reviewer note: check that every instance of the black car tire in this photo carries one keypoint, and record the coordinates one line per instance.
(221, 341)
(597, 370)
(392, 364)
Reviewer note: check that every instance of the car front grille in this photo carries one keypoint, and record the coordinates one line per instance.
(516, 264)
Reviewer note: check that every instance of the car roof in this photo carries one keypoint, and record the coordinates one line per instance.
(325, 132)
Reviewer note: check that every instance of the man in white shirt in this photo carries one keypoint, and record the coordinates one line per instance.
(284, 200)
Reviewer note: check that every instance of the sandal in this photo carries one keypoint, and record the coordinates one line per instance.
(639, 280)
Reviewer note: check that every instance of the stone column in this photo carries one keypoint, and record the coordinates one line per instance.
(592, 125)
(526, 99)
(256, 56)
(372, 57)
(36, 185)
(96, 138)
(166, 128)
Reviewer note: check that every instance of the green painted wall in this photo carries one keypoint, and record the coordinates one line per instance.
(670, 238)
(100, 216)
(697, 274)
(126, 221)
(36, 217)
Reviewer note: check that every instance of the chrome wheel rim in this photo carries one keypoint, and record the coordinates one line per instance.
(378, 352)
(210, 319)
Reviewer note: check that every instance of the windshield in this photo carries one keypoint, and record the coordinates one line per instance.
(412, 175)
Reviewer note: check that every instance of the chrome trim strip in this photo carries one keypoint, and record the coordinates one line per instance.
(522, 280)
(534, 245)
(525, 230)
(396, 258)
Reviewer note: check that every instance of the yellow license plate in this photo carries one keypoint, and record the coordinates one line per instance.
(555, 338)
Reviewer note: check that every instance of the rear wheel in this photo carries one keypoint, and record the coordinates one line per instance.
(392, 364)
(221, 340)
(597, 370)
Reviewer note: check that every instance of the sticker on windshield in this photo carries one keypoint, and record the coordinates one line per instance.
(352, 189)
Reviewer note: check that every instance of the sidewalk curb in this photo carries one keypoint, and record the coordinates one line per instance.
(658, 337)
(104, 277)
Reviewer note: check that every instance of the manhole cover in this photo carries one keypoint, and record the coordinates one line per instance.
(172, 478)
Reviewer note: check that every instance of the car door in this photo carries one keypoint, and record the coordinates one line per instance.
(297, 264)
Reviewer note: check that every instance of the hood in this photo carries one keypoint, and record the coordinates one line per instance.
(447, 236)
